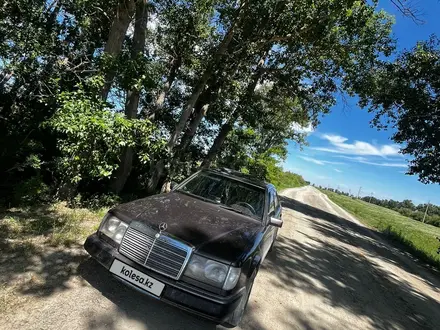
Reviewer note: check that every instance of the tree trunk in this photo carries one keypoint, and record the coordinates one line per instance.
(227, 127)
(133, 95)
(218, 142)
(209, 96)
(192, 128)
(157, 174)
(118, 30)
(198, 89)
(201, 112)
(158, 104)
(124, 169)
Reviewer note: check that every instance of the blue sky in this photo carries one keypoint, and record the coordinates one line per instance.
(345, 152)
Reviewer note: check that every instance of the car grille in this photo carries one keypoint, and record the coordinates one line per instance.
(162, 254)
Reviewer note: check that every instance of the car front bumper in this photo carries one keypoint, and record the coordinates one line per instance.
(180, 294)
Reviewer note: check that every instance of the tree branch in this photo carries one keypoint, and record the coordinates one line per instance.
(408, 10)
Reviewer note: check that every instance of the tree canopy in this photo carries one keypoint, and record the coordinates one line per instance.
(123, 95)
(404, 95)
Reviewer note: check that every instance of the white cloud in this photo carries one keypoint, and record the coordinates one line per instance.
(357, 158)
(385, 164)
(364, 160)
(334, 138)
(339, 145)
(339, 171)
(312, 160)
(318, 161)
(309, 129)
(326, 149)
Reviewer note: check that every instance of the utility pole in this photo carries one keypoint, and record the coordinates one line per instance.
(369, 201)
(426, 211)
(359, 192)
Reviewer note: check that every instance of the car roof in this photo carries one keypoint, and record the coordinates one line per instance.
(246, 178)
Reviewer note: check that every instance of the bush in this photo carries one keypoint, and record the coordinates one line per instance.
(285, 179)
(91, 137)
(31, 191)
(97, 201)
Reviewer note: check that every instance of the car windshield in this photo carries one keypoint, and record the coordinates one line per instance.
(229, 193)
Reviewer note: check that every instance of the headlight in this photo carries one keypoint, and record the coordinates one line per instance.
(113, 228)
(212, 272)
(232, 278)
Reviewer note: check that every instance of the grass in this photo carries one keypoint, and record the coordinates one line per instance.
(56, 223)
(419, 238)
(32, 237)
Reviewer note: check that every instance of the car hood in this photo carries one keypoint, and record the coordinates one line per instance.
(214, 231)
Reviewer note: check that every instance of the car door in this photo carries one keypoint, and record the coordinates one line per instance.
(270, 231)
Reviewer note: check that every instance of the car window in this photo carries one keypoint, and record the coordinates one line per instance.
(237, 195)
(271, 203)
(277, 204)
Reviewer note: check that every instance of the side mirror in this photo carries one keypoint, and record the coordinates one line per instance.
(275, 222)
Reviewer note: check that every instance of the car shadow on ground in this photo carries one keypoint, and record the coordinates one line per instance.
(131, 304)
(346, 279)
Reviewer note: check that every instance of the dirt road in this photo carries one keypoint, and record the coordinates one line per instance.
(326, 272)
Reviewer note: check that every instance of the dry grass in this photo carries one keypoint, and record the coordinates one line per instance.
(29, 238)
(56, 224)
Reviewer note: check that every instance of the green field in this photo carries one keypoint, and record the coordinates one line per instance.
(419, 238)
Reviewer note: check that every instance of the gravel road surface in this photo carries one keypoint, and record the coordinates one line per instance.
(327, 271)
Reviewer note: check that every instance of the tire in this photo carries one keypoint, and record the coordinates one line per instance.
(236, 317)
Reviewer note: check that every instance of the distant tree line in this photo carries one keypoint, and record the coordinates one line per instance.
(406, 207)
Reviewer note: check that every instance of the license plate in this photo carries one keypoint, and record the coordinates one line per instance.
(137, 278)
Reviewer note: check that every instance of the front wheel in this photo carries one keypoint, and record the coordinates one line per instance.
(237, 315)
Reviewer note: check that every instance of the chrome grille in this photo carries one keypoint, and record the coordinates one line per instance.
(162, 254)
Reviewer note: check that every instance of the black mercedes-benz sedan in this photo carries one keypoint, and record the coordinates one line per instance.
(198, 247)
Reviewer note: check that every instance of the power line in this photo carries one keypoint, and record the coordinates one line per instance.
(359, 192)
(426, 211)
(372, 193)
